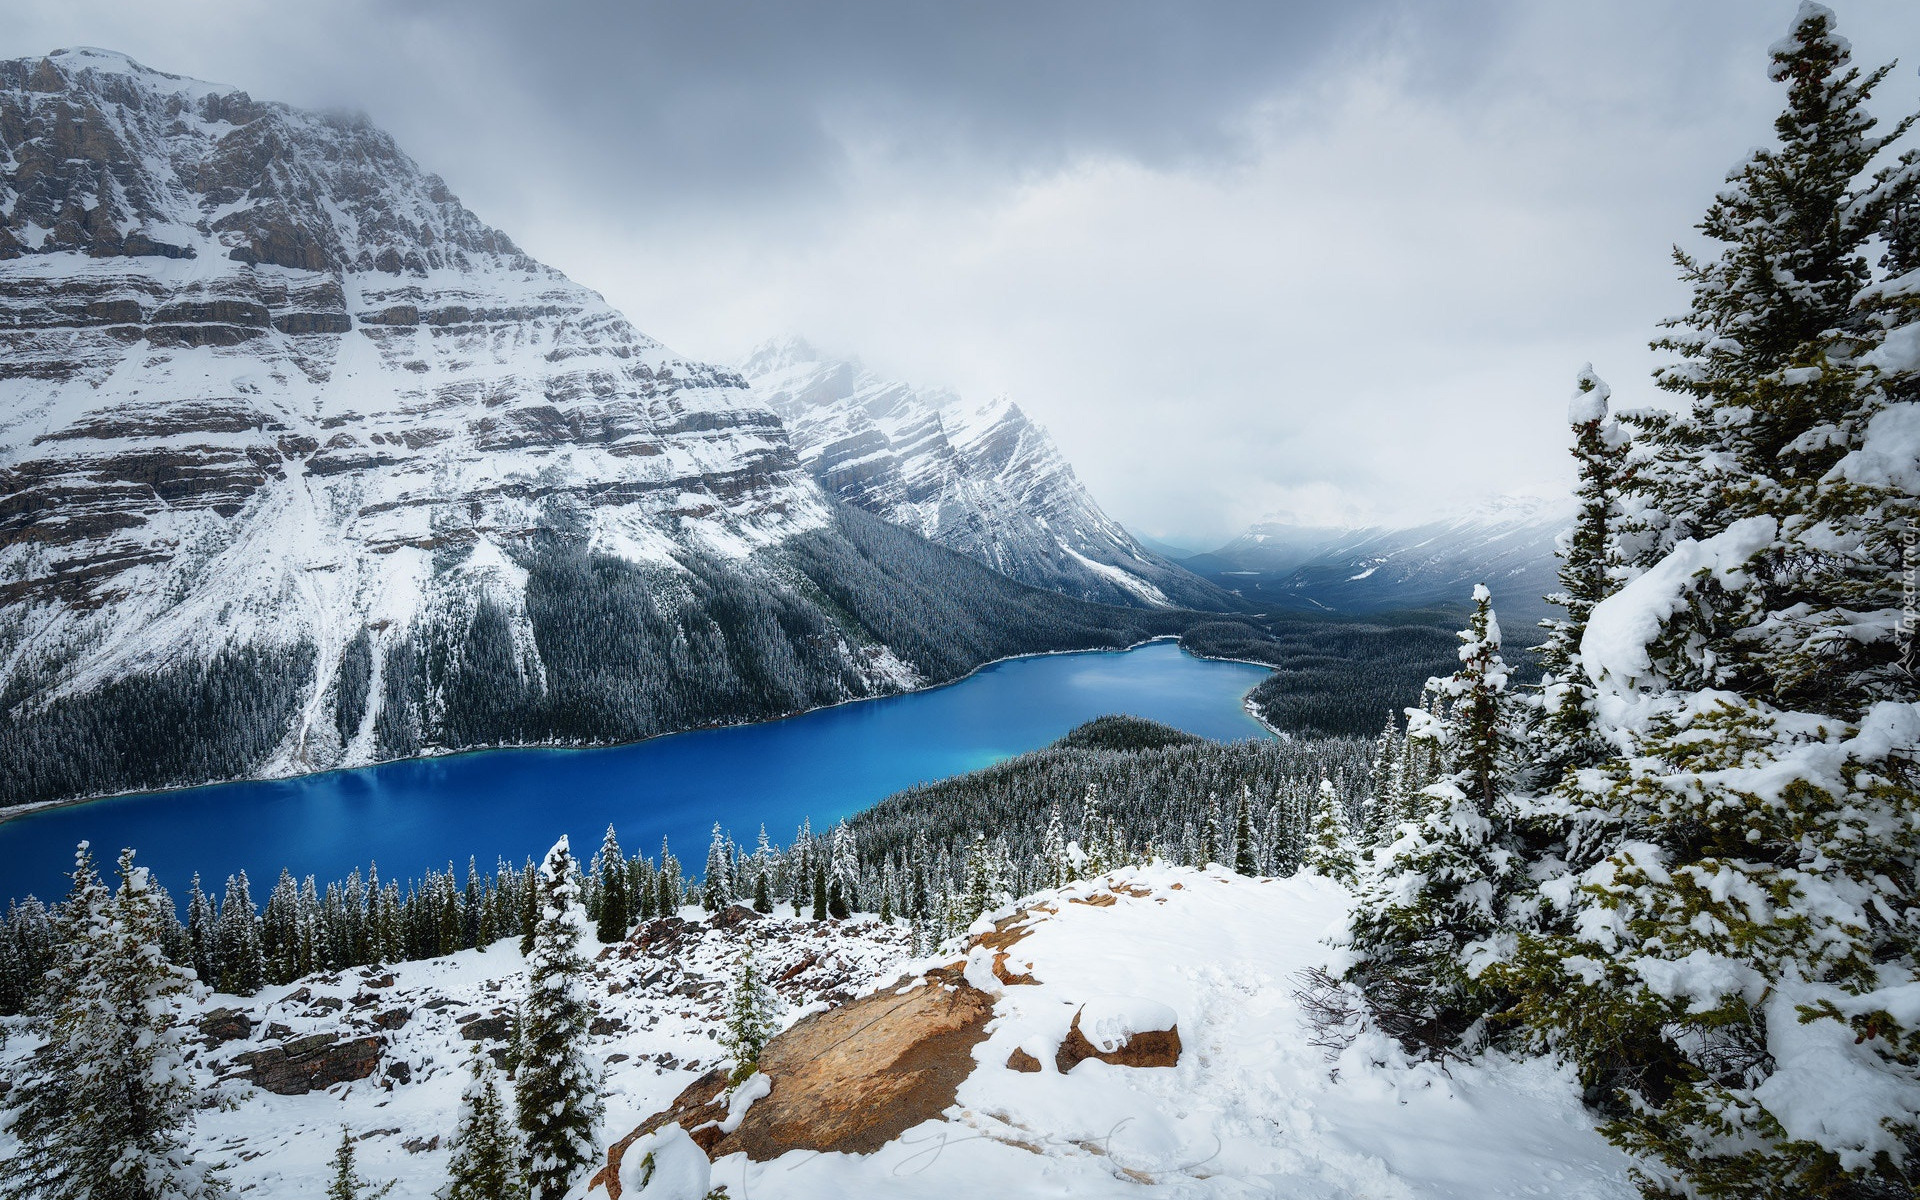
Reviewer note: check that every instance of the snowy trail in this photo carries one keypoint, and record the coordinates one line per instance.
(1251, 1111)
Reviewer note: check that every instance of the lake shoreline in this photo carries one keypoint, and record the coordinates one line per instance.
(16, 812)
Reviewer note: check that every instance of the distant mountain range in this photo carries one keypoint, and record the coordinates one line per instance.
(1507, 545)
(980, 478)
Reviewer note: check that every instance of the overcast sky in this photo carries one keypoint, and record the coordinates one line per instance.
(1336, 260)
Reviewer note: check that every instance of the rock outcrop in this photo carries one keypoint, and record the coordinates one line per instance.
(311, 1063)
(849, 1079)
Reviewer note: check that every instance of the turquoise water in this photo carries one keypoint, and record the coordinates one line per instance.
(420, 814)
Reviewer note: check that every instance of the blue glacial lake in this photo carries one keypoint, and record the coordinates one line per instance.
(825, 765)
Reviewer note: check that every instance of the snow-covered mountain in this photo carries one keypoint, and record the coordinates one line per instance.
(1507, 544)
(981, 478)
(337, 472)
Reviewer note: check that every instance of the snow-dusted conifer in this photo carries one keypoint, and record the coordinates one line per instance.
(1438, 888)
(242, 961)
(556, 1091)
(714, 890)
(752, 1014)
(105, 1109)
(1245, 858)
(1330, 854)
(1734, 919)
(485, 1164)
(615, 905)
(347, 1183)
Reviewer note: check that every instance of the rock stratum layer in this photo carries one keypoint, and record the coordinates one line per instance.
(302, 464)
(983, 479)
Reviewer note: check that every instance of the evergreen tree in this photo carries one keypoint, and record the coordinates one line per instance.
(979, 880)
(819, 892)
(485, 1163)
(1330, 855)
(202, 917)
(1385, 804)
(347, 1183)
(615, 908)
(1438, 889)
(1245, 860)
(104, 1110)
(714, 892)
(557, 1096)
(762, 897)
(1567, 738)
(752, 1015)
(1056, 868)
(242, 963)
(1735, 911)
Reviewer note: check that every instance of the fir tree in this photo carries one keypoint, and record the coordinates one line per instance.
(485, 1163)
(819, 892)
(615, 910)
(557, 1096)
(347, 1183)
(752, 1012)
(762, 896)
(1244, 859)
(242, 962)
(714, 891)
(1739, 870)
(1330, 854)
(1439, 888)
(1600, 447)
(104, 1110)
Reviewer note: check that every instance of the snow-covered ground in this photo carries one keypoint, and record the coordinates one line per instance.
(1252, 1109)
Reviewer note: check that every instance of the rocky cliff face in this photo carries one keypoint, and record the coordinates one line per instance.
(983, 479)
(285, 428)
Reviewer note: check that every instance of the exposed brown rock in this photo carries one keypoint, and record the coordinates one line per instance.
(846, 1080)
(311, 1063)
(1146, 1048)
(1023, 1062)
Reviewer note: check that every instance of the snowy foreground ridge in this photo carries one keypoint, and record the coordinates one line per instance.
(1252, 1108)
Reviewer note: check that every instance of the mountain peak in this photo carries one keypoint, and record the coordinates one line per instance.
(77, 59)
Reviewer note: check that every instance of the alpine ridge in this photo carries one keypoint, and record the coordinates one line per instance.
(980, 478)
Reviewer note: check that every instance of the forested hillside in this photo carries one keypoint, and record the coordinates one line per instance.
(1685, 864)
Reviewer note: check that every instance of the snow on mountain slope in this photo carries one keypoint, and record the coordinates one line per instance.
(1251, 1109)
(267, 381)
(302, 465)
(982, 478)
(1506, 544)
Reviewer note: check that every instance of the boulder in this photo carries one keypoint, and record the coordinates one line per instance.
(492, 1029)
(1122, 1030)
(226, 1025)
(847, 1080)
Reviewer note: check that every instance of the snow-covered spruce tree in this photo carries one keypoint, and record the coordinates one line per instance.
(616, 908)
(1439, 887)
(556, 1090)
(1330, 854)
(1384, 803)
(1056, 870)
(485, 1164)
(347, 1183)
(241, 961)
(1727, 962)
(752, 1015)
(1566, 737)
(1245, 850)
(714, 892)
(104, 1111)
